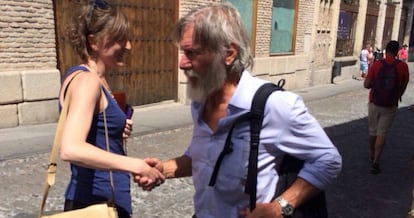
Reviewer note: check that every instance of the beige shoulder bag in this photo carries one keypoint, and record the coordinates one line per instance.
(103, 210)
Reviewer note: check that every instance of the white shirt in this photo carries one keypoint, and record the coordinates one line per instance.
(287, 128)
(364, 55)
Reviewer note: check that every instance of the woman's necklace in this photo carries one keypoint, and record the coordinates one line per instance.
(94, 68)
(105, 84)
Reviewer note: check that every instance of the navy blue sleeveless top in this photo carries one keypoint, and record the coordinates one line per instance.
(93, 186)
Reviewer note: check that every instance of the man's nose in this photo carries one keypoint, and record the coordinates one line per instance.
(128, 45)
(185, 63)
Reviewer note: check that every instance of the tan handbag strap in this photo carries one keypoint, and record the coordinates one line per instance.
(52, 166)
(107, 149)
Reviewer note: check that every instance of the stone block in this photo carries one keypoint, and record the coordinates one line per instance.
(263, 66)
(347, 73)
(280, 65)
(38, 112)
(301, 79)
(322, 76)
(40, 84)
(10, 87)
(8, 114)
(292, 69)
(301, 62)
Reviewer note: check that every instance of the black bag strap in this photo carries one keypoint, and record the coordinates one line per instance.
(227, 149)
(256, 121)
(255, 116)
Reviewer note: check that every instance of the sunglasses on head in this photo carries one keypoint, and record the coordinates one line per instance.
(101, 4)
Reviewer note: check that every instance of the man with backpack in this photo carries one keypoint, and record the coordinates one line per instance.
(387, 80)
(216, 60)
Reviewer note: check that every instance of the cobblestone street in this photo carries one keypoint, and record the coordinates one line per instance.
(22, 181)
(356, 193)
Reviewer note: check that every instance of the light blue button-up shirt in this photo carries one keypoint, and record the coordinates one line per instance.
(288, 127)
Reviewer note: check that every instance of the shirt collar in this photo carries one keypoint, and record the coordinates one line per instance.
(243, 95)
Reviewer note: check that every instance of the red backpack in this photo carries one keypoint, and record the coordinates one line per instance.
(385, 91)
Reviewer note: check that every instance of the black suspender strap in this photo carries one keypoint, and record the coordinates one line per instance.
(257, 110)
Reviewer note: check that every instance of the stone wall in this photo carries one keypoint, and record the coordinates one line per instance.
(29, 80)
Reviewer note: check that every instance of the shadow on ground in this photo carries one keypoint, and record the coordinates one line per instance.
(356, 192)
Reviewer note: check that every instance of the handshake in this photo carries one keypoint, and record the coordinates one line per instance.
(151, 175)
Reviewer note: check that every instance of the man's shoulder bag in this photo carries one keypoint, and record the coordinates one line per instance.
(287, 170)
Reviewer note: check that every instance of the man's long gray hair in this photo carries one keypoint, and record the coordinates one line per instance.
(216, 27)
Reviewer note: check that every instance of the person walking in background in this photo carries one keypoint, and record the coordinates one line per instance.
(216, 58)
(370, 56)
(387, 80)
(99, 34)
(403, 53)
(365, 58)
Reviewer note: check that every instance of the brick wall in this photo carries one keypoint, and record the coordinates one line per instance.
(305, 25)
(29, 80)
(187, 5)
(27, 34)
(263, 25)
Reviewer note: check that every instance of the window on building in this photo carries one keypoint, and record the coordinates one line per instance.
(247, 9)
(283, 26)
(371, 20)
(346, 28)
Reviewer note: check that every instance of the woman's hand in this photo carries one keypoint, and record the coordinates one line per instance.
(150, 176)
(128, 129)
(143, 181)
(147, 183)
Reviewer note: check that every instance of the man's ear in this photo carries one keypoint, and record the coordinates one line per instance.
(92, 42)
(231, 54)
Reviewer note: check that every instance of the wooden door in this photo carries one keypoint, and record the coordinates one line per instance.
(150, 74)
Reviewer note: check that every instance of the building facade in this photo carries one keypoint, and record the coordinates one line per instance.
(306, 42)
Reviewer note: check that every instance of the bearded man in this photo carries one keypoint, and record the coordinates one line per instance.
(216, 58)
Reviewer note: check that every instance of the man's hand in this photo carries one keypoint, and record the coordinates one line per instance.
(154, 162)
(264, 210)
(144, 181)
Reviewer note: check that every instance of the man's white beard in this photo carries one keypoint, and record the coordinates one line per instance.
(212, 81)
